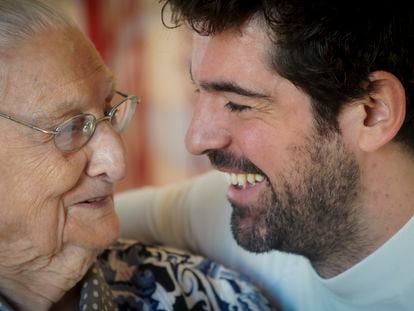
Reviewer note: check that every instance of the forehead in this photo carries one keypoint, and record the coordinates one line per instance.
(60, 66)
(232, 54)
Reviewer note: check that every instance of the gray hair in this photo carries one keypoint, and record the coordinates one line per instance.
(20, 20)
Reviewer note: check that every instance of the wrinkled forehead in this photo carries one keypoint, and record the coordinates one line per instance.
(51, 64)
(55, 58)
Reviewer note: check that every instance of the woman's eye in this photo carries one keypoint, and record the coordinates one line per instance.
(236, 107)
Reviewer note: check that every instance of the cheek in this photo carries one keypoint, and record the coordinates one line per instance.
(54, 175)
(32, 189)
(273, 150)
(32, 207)
(262, 145)
(32, 222)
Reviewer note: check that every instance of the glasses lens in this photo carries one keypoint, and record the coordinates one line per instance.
(122, 114)
(75, 133)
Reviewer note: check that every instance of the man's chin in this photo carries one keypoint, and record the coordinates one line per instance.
(250, 234)
(251, 244)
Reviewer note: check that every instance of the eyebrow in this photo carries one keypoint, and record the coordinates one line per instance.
(228, 87)
(57, 110)
(60, 109)
(231, 87)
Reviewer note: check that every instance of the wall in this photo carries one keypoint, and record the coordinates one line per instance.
(151, 62)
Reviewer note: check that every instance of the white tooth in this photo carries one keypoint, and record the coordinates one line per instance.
(228, 177)
(233, 179)
(258, 177)
(241, 178)
(250, 178)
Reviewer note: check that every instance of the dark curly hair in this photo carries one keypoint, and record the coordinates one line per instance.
(327, 48)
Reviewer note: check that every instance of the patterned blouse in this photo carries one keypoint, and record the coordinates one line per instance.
(134, 276)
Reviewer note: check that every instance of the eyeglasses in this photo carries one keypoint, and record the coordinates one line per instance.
(73, 134)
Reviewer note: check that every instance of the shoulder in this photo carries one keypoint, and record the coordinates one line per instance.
(155, 277)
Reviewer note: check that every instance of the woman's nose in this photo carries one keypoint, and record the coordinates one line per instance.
(107, 153)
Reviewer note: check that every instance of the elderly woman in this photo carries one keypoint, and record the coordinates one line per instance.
(60, 155)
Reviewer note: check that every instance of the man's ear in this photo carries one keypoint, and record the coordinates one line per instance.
(383, 111)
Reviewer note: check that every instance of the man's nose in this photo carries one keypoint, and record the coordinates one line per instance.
(107, 156)
(208, 130)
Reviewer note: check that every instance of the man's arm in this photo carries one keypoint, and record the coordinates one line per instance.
(195, 216)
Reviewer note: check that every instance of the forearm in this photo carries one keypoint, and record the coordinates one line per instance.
(188, 215)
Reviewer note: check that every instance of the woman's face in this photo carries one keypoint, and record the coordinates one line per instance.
(56, 209)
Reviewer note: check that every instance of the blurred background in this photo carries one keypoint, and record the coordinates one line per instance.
(152, 62)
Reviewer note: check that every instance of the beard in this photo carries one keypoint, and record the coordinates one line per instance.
(311, 211)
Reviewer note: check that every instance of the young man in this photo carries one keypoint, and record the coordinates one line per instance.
(307, 106)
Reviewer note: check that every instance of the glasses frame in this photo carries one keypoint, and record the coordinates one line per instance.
(108, 116)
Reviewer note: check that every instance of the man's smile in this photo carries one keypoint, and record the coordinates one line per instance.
(244, 188)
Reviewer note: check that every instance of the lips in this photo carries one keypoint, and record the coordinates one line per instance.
(244, 187)
(93, 201)
(89, 193)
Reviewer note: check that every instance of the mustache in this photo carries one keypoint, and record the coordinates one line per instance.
(226, 160)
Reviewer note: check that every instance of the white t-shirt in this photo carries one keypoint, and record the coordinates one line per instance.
(195, 215)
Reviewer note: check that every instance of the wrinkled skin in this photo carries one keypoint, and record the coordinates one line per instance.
(50, 233)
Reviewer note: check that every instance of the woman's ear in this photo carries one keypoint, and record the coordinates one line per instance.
(382, 111)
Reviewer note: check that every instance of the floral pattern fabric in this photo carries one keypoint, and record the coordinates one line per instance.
(134, 276)
(143, 277)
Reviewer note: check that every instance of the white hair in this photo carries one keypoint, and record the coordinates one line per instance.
(20, 20)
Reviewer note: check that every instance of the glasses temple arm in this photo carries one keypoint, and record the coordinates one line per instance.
(34, 127)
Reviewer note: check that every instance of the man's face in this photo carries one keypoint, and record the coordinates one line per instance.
(50, 200)
(291, 185)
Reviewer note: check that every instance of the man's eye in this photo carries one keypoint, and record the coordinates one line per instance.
(233, 107)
